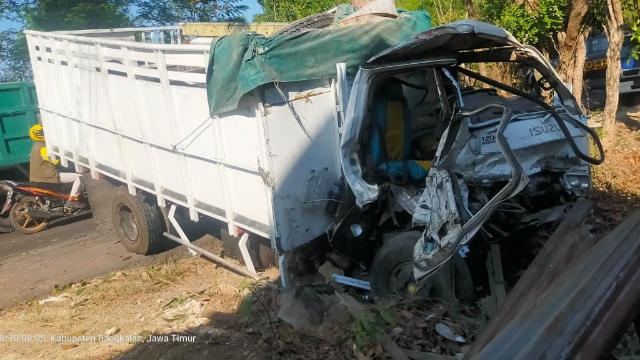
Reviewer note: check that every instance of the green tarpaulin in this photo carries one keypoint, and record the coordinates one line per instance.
(240, 62)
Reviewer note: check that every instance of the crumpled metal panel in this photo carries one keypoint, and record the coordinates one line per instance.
(453, 37)
(438, 210)
(437, 205)
(535, 139)
(407, 197)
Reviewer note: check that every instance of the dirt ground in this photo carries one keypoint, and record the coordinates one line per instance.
(617, 181)
(192, 309)
(108, 317)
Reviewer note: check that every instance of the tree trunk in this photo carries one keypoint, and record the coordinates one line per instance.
(473, 15)
(569, 39)
(578, 78)
(615, 33)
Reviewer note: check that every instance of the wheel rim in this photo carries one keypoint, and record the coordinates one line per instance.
(127, 223)
(23, 220)
(401, 278)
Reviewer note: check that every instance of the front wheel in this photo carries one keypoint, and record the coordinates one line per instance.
(24, 222)
(392, 274)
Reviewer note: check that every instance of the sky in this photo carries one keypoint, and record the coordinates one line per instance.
(254, 8)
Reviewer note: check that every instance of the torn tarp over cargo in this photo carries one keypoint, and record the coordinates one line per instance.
(240, 62)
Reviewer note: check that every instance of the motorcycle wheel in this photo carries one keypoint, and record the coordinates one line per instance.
(25, 223)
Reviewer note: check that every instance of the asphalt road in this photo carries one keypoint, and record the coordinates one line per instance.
(31, 265)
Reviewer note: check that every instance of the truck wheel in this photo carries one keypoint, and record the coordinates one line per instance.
(392, 273)
(138, 224)
(317, 21)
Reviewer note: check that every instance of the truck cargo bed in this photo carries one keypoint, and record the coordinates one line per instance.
(137, 113)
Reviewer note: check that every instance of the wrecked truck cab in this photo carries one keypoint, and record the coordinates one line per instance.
(460, 160)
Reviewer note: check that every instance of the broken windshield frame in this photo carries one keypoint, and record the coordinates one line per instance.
(362, 93)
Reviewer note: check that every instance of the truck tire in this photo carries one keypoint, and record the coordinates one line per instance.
(392, 267)
(317, 21)
(139, 224)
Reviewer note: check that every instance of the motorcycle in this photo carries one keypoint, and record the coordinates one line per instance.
(32, 206)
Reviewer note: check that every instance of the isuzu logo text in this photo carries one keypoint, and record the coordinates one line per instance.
(544, 129)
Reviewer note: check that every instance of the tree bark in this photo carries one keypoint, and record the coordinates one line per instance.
(578, 78)
(473, 15)
(533, 5)
(615, 34)
(569, 40)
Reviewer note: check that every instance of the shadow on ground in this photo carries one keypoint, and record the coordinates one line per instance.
(253, 331)
(229, 335)
(68, 220)
(204, 234)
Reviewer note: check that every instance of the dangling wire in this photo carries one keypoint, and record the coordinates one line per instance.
(206, 122)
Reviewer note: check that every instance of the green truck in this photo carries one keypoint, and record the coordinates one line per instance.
(18, 112)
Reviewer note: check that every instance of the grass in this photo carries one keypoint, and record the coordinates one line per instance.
(245, 308)
(170, 272)
(369, 323)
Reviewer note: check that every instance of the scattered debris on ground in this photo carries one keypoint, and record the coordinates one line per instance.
(193, 308)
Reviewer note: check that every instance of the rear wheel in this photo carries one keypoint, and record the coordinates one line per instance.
(22, 221)
(138, 223)
(392, 274)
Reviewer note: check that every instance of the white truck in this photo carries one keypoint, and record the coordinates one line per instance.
(253, 132)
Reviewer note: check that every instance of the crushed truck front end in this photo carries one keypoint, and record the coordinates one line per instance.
(465, 162)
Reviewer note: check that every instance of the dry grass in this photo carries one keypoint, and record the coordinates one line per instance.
(136, 302)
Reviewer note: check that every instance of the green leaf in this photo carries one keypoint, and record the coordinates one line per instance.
(387, 316)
